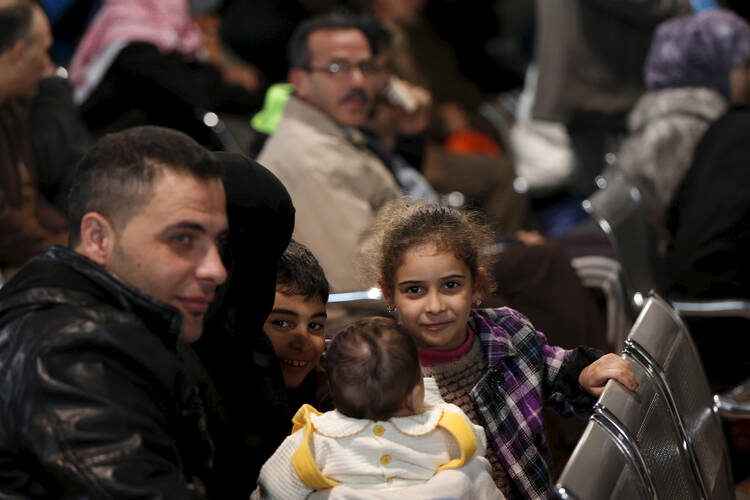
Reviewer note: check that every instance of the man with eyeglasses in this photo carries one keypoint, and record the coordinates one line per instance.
(337, 184)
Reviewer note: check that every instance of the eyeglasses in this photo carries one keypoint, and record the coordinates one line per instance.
(342, 68)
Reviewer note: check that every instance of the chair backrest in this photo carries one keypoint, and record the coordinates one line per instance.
(346, 307)
(603, 466)
(646, 418)
(660, 340)
(605, 274)
(619, 210)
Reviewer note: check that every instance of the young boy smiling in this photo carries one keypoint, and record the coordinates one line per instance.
(296, 324)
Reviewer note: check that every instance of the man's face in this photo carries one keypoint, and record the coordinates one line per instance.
(169, 249)
(33, 63)
(346, 97)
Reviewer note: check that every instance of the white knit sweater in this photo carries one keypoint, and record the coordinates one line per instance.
(358, 453)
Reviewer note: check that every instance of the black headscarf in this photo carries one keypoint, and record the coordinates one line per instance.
(233, 347)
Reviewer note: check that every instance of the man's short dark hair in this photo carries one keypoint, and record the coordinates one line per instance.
(115, 178)
(299, 273)
(380, 37)
(337, 19)
(15, 23)
(372, 366)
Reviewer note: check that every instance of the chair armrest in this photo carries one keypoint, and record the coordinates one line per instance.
(219, 129)
(603, 273)
(735, 403)
(723, 308)
(373, 294)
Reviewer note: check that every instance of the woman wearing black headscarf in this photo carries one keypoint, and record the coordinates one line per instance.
(233, 347)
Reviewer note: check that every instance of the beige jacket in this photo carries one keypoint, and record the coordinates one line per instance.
(337, 185)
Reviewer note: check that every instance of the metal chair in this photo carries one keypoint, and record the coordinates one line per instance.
(648, 419)
(345, 307)
(617, 207)
(660, 341)
(604, 465)
(218, 129)
(604, 274)
(670, 425)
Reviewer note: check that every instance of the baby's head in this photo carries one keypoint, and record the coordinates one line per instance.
(373, 371)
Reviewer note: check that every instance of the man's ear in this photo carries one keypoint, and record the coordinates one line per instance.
(17, 52)
(97, 238)
(299, 79)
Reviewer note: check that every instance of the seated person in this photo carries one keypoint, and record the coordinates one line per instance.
(154, 58)
(696, 69)
(234, 349)
(29, 223)
(384, 409)
(338, 184)
(297, 323)
(491, 362)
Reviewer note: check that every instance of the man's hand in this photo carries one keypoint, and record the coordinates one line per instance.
(594, 377)
(416, 118)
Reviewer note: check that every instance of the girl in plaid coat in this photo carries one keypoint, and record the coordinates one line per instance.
(490, 362)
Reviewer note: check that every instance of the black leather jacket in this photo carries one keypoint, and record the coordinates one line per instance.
(98, 399)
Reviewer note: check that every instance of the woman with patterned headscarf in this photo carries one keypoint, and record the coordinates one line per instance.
(148, 62)
(696, 68)
(709, 223)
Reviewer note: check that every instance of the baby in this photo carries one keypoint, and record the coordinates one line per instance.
(391, 429)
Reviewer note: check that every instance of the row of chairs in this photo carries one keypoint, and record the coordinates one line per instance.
(619, 209)
(665, 440)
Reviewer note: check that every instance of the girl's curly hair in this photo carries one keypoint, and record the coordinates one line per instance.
(401, 226)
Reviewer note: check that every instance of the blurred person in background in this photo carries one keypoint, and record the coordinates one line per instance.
(590, 56)
(28, 221)
(695, 70)
(144, 62)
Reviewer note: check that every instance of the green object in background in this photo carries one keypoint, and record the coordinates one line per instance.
(267, 119)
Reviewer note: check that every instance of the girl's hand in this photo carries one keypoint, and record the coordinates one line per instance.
(594, 377)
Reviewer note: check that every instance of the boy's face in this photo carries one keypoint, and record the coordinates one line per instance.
(296, 327)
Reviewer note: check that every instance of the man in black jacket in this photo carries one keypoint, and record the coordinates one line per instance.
(100, 395)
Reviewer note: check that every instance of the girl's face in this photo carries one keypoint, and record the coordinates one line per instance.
(433, 292)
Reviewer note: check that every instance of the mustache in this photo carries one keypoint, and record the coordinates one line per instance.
(356, 93)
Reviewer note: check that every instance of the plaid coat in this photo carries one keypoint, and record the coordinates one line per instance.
(524, 373)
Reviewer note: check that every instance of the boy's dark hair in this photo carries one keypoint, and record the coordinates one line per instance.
(115, 177)
(15, 23)
(298, 272)
(372, 366)
(337, 19)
